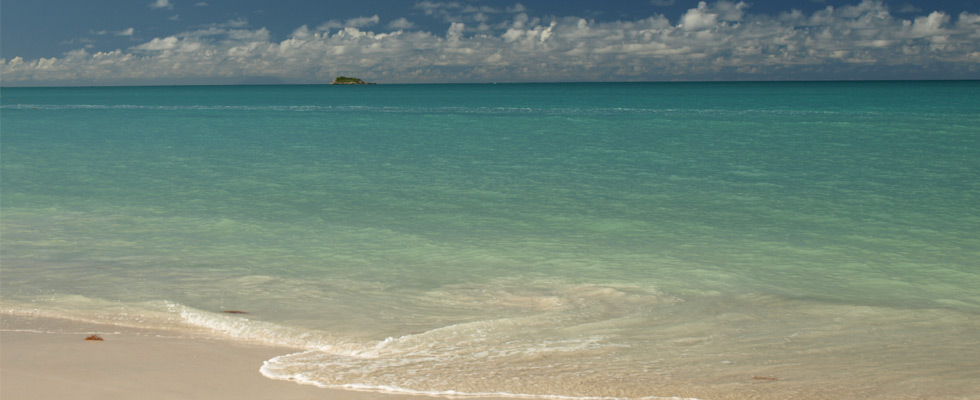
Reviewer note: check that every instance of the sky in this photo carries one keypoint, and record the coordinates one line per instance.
(162, 42)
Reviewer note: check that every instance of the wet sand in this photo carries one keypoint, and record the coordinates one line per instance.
(50, 359)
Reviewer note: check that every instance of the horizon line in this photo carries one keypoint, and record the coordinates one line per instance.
(496, 83)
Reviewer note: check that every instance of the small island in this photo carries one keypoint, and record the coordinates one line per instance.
(344, 80)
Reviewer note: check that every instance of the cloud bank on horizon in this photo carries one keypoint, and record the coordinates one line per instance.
(720, 40)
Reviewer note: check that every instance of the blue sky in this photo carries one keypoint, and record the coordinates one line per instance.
(103, 42)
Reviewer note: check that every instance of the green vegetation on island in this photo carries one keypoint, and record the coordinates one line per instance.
(345, 80)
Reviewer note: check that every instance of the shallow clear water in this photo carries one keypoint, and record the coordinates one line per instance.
(614, 240)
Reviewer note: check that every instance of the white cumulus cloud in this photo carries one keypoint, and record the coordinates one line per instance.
(401, 23)
(720, 40)
(704, 17)
(698, 18)
(361, 22)
(162, 4)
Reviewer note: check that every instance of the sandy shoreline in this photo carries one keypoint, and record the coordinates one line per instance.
(43, 358)
(50, 359)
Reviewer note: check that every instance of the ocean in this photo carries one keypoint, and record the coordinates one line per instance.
(559, 240)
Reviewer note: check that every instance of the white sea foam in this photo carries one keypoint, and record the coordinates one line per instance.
(448, 393)
(166, 315)
(475, 358)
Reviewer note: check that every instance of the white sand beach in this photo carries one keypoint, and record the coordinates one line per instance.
(56, 362)
(51, 359)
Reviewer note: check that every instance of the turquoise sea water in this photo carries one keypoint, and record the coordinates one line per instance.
(584, 240)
